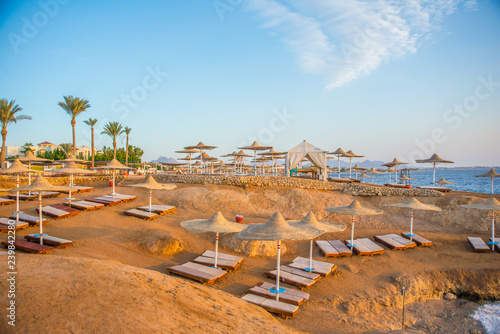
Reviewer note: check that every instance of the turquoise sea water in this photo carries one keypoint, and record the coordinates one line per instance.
(489, 316)
(464, 179)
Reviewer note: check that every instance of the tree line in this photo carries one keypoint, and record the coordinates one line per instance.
(73, 106)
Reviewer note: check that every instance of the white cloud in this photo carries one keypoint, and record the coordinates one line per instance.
(345, 40)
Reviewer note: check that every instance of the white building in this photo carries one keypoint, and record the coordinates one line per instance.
(82, 151)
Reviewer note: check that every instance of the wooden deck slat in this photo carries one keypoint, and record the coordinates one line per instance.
(197, 272)
(4, 201)
(29, 246)
(50, 240)
(419, 240)
(53, 212)
(32, 220)
(72, 211)
(22, 197)
(321, 268)
(141, 214)
(366, 247)
(290, 296)
(4, 224)
(159, 209)
(273, 306)
(478, 245)
(395, 241)
(292, 278)
(85, 206)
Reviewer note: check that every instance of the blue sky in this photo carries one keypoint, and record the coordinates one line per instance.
(383, 78)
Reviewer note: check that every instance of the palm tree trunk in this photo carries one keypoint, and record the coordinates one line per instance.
(114, 147)
(126, 154)
(92, 147)
(73, 123)
(4, 137)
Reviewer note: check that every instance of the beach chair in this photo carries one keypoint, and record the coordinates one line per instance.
(85, 205)
(321, 268)
(394, 241)
(31, 220)
(50, 240)
(29, 247)
(4, 224)
(366, 247)
(159, 209)
(72, 211)
(333, 248)
(198, 272)
(224, 261)
(298, 277)
(478, 245)
(23, 197)
(419, 240)
(278, 307)
(79, 189)
(53, 212)
(290, 296)
(107, 201)
(5, 201)
(48, 194)
(124, 198)
(141, 214)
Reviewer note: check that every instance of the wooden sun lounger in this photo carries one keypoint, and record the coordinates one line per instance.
(278, 307)
(298, 277)
(23, 197)
(395, 242)
(48, 194)
(4, 224)
(72, 211)
(366, 247)
(30, 247)
(198, 272)
(290, 296)
(5, 201)
(141, 214)
(85, 205)
(104, 200)
(32, 220)
(478, 245)
(420, 241)
(54, 212)
(322, 268)
(50, 240)
(224, 261)
(496, 246)
(79, 189)
(159, 209)
(333, 248)
(124, 198)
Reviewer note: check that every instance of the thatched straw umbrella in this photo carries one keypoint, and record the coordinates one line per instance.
(491, 204)
(442, 182)
(151, 184)
(72, 158)
(217, 224)
(352, 155)
(71, 169)
(255, 147)
(353, 209)
(114, 165)
(189, 152)
(274, 155)
(200, 147)
(373, 171)
(434, 160)
(363, 176)
(406, 179)
(340, 153)
(395, 163)
(276, 229)
(414, 204)
(357, 169)
(491, 174)
(29, 158)
(41, 184)
(17, 168)
(389, 170)
(310, 222)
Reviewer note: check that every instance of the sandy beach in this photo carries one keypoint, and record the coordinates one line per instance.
(116, 270)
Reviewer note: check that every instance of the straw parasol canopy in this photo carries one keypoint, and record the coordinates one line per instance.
(434, 159)
(352, 155)
(395, 163)
(242, 153)
(491, 204)
(276, 229)
(363, 176)
(443, 182)
(113, 165)
(271, 152)
(340, 153)
(200, 147)
(356, 167)
(152, 184)
(41, 184)
(71, 168)
(189, 152)
(72, 158)
(310, 222)
(406, 178)
(414, 204)
(30, 157)
(255, 147)
(217, 224)
(491, 174)
(389, 170)
(373, 171)
(17, 167)
(353, 209)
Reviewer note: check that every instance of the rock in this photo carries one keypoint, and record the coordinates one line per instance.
(159, 242)
(450, 296)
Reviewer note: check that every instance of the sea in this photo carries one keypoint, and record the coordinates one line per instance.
(489, 316)
(464, 179)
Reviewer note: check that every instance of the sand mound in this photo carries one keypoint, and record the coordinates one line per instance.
(159, 242)
(252, 248)
(76, 295)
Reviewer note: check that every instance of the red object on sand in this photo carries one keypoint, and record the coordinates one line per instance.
(110, 183)
(408, 186)
(239, 218)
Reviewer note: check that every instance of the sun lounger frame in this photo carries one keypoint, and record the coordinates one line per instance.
(29, 247)
(333, 248)
(197, 272)
(478, 245)
(395, 242)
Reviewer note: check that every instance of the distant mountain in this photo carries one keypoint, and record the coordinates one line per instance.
(166, 159)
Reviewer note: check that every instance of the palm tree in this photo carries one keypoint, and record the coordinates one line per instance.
(74, 106)
(8, 111)
(127, 131)
(67, 147)
(113, 129)
(27, 148)
(91, 122)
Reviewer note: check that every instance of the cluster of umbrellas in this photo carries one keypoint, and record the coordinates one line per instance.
(349, 154)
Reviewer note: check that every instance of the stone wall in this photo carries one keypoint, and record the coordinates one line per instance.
(63, 180)
(355, 189)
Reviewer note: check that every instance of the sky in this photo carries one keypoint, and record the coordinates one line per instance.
(383, 78)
